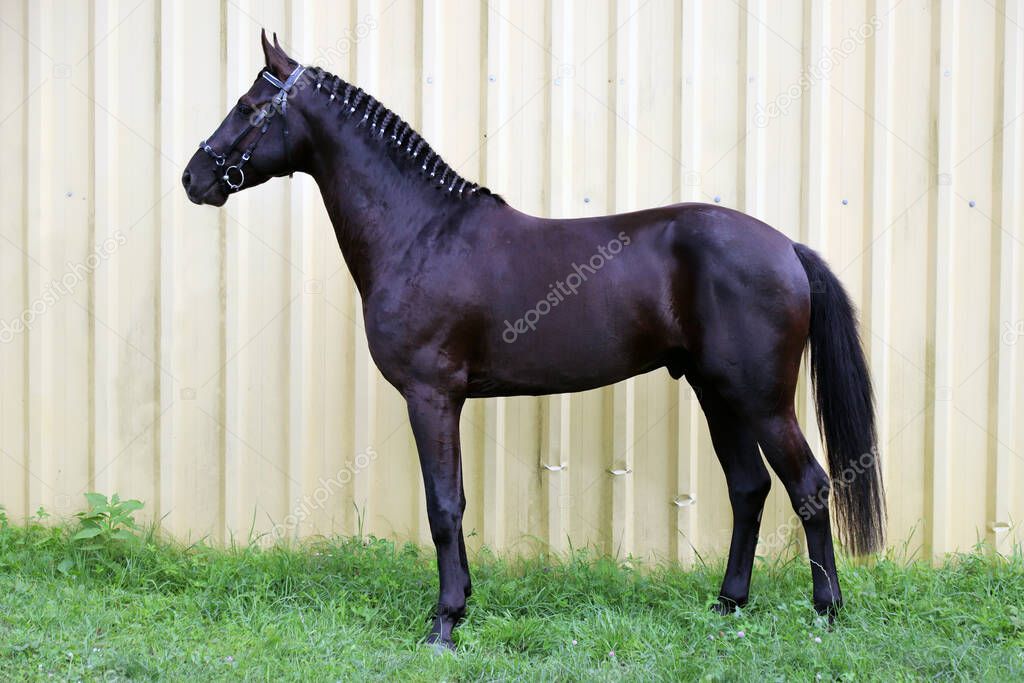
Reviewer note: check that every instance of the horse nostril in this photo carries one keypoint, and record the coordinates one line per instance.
(186, 179)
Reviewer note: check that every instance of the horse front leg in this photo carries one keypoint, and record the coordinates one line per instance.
(435, 424)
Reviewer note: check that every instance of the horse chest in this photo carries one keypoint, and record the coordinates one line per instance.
(411, 342)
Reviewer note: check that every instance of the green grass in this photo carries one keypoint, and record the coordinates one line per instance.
(355, 610)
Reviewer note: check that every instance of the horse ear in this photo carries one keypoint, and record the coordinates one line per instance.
(268, 49)
(276, 60)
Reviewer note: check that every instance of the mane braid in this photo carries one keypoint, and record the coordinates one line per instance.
(388, 118)
(378, 110)
(400, 132)
(360, 94)
(428, 157)
(406, 143)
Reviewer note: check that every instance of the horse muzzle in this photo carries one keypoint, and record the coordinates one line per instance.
(200, 193)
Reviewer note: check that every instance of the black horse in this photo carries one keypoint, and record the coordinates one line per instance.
(463, 296)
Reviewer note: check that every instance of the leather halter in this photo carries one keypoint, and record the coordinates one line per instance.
(262, 120)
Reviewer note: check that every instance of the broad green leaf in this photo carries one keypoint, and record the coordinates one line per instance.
(131, 505)
(90, 532)
(96, 499)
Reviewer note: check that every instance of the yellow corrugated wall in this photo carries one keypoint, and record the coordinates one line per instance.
(212, 362)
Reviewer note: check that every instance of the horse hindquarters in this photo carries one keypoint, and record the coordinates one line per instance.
(756, 325)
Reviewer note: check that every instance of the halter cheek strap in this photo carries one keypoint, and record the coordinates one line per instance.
(234, 177)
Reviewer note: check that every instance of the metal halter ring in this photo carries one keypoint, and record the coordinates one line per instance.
(227, 177)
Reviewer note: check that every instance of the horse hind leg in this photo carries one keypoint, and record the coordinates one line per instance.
(748, 480)
(759, 386)
(808, 487)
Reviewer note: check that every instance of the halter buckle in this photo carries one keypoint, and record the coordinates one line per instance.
(219, 159)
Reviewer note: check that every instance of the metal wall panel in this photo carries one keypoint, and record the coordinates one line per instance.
(212, 362)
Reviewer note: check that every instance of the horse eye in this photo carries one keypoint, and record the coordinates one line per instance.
(244, 109)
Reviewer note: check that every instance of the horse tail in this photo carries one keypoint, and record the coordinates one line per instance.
(846, 409)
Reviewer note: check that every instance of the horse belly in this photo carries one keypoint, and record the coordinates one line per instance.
(575, 353)
(548, 335)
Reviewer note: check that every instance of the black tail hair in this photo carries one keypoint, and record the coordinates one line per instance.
(846, 409)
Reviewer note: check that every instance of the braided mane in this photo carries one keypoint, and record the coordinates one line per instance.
(383, 125)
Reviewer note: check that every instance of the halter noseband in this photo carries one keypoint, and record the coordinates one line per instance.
(263, 120)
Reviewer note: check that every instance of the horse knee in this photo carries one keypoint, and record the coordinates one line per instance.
(445, 523)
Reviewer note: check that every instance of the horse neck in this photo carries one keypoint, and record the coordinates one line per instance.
(376, 208)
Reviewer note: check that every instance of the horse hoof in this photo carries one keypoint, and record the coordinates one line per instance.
(828, 609)
(725, 606)
(439, 646)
